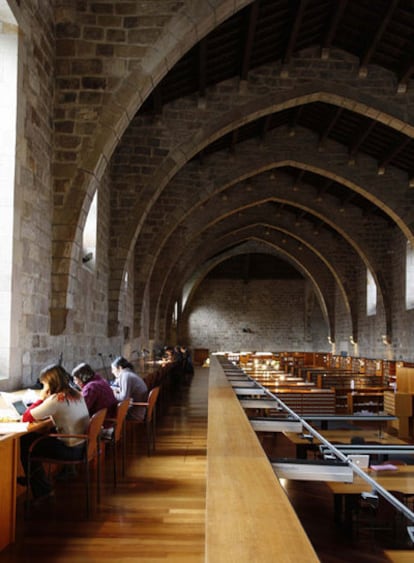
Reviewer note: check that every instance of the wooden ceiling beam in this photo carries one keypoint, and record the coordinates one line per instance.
(338, 12)
(360, 138)
(202, 67)
(337, 114)
(295, 31)
(248, 44)
(392, 154)
(295, 116)
(318, 226)
(265, 126)
(345, 201)
(405, 76)
(233, 140)
(298, 179)
(300, 216)
(321, 190)
(369, 51)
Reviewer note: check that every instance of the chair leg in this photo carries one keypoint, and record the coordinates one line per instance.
(87, 489)
(154, 425)
(114, 463)
(123, 449)
(28, 477)
(148, 436)
(98, 474)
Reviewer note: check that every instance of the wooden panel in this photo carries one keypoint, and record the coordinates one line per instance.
(200, 355)
(8, 457)
(249, 517)
(401, 405)
(400, 556)
(365, 402)
(405, 379)
(309, 401)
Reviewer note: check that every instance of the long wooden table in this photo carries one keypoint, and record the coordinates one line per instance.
(248, 517)
(400, 555)
(9, 447)
(10, 465)
(400, 480)
(340, 437)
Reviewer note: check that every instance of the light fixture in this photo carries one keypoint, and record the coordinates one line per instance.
(352, 341)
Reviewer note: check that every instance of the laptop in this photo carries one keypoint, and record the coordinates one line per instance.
(19, 407)
(361, 460)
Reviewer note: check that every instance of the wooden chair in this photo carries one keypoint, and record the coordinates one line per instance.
(149, 421)
(92, 452)
(115, 434)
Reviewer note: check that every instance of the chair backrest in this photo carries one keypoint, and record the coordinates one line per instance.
(121, 412)
(152, 399)
(94, 429)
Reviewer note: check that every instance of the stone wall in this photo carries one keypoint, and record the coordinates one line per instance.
(258, 315)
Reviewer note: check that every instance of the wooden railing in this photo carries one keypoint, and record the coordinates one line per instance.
(248, 515)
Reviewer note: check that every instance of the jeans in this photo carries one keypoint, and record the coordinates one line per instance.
(48, 447)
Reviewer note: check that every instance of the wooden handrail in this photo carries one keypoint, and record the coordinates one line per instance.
(248, 513)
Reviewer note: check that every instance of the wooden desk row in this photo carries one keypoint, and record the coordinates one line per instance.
(9, 448)
(401, 480)
(248, 516)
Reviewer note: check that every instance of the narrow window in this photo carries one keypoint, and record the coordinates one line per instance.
(409, 277)
(8, 113)
(89, 235)
(371, 294)
(175, 314)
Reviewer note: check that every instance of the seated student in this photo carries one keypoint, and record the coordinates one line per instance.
(130, 385)
(173, 362)
(188, 365)
(95, 389)
(168, 356)
(67, 408)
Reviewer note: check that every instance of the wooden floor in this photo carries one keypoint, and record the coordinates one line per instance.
(157, 513)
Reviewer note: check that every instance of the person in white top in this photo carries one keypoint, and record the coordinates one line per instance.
(67, 408)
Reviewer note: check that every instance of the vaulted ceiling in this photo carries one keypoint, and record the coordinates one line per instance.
(295, 164)
(272, 31)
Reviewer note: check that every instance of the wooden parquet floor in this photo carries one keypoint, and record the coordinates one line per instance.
(157, 512)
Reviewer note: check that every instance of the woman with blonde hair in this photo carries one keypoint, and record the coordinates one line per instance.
(66, 407)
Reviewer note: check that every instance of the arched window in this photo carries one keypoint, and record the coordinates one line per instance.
(8, 108)
(89, 235)
(175, 314)
(371, 294)
(409, 276)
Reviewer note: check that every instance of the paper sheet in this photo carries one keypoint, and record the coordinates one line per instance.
(13, 427)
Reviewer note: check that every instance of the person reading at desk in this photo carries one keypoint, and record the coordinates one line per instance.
(95, 389)
(130, 385)
(66, 407)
